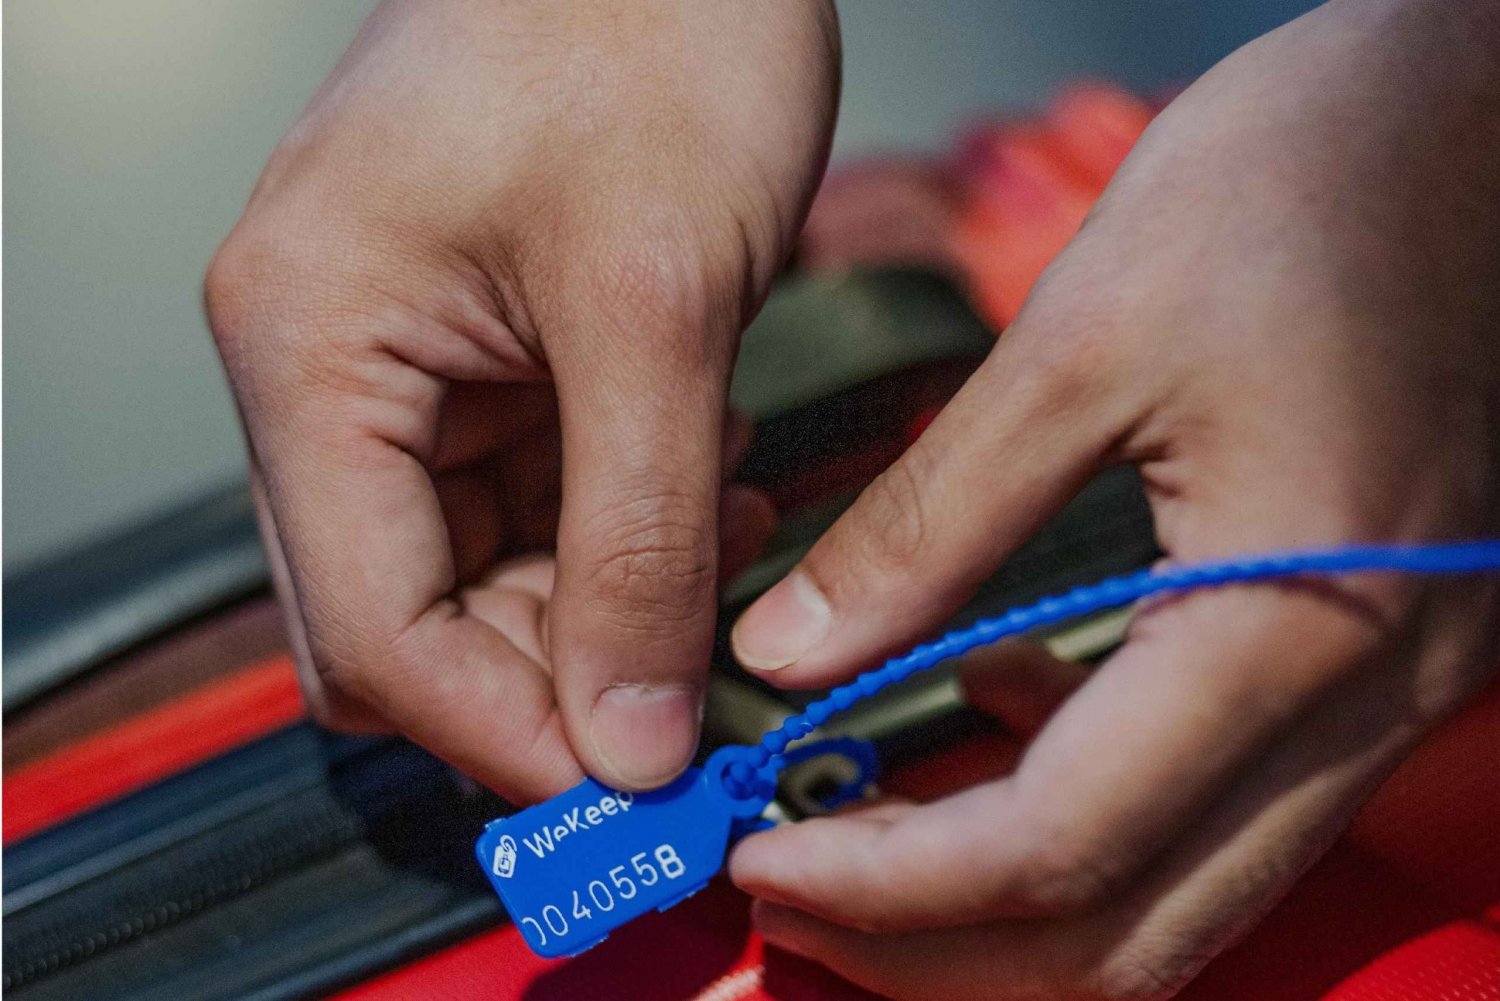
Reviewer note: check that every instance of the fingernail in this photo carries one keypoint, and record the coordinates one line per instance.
(646, 734)
(783, 626)
(750, 868)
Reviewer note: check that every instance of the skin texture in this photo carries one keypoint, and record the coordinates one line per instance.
(485, 301)
(1284, 311)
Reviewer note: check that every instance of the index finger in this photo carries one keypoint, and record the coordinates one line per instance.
(341, 436)
(1113, 776)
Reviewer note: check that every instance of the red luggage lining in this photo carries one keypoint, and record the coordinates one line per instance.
(214, 718)
(701, 949)
(1457, 962)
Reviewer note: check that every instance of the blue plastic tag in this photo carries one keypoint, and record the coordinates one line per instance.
(576, 867)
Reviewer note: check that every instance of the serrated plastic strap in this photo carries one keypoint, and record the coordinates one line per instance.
(1443, 558)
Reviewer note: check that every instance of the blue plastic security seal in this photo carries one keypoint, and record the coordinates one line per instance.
(580, 865)
(576, 867)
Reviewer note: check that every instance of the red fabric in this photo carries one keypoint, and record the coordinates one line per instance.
(1348, 911)
(210, 720)
(993, 214)
(1028, 185)
(1437, 820)
(1457, 962)
(702, 949)
(1424, 854)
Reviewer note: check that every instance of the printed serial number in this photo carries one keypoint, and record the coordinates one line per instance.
(554, 920)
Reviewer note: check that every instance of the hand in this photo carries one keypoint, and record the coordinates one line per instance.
(488, 292)
(1284, 312)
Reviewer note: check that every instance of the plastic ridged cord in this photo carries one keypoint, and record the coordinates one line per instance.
(1443, 558)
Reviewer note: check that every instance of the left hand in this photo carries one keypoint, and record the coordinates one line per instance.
(1284, 311)
(483, 305)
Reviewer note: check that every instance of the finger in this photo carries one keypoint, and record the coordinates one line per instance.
(983, 963)
(1019, 683)
(1230, 867)
(507, 504)
(1116, 772)
(746, 520)
(344, 438)
(530, 488)
(335, 710)
(1017, 440)
(512, 598)
(471, 503)
(480, 419)
(632, 618)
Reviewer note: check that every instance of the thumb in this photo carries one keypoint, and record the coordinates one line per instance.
(1020, 438)
(632, 615)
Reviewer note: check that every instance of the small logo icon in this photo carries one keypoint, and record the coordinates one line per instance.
(505, 857)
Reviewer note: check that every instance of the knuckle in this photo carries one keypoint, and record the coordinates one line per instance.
(1065, 880)
(1139, 974)
(269, 269)
(407, 679)
(354, 666)
(292, 331)
(377, 668)
(341, 676)
(655, 279)
(262, 261)
(655, 564)
(250, 286)
(650, 282)
(228, 290)
(1070, 332)
(895, 510)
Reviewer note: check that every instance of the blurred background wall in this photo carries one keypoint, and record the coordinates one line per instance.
(135, 128)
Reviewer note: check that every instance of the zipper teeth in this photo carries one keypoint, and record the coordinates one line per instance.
(221, 875)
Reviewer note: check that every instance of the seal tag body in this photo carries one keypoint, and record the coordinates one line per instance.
(574, 868)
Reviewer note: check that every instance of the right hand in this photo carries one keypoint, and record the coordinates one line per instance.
(500, 229)
(1283, 311)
